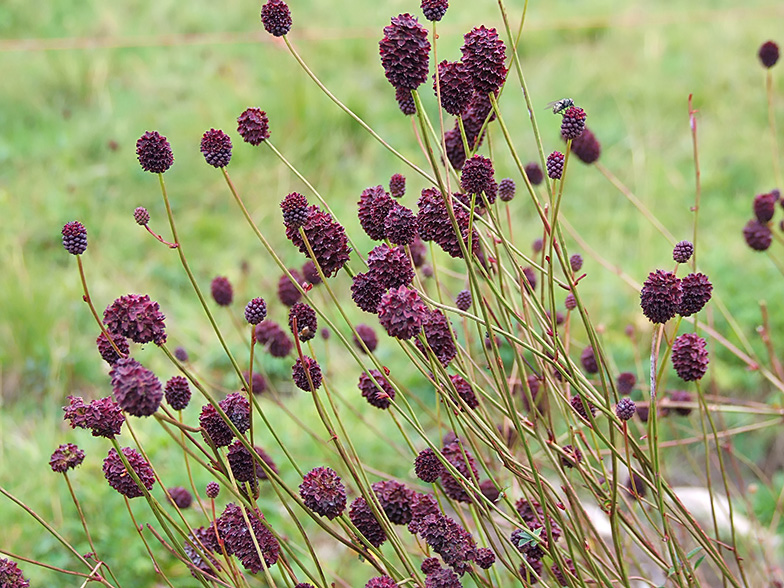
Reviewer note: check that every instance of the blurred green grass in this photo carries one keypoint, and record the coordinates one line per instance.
(183, 69)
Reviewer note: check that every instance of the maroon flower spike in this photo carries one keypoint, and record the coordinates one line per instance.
(327, 239)
(397, 186)
(402, 312)
(136, 317)
(697, 290)
(559, 575)
(506, 190)
(221, 290)
(434, 9)
(237, 409)
(682, 251)
(430, 566)
(374, 206)
(489, 491)
(484, 54)
(307, 325)
(11, 576)
(456, 87)
(276, 18)
(464, 391)
(154, 152)
(366, 292)
(537, 245)
(555, 163)
(463, 300)
(103, 416)
(379, 397)
(405, 101)
(534, 173)
(366, 523)
(367, 336)
(660, 296)
(300, 371)
(484, 558)
(582, 407)
(757, 235)
(323, 492)
(576, 262)
(256, 311)
(768, 54)
(257, 383)
(681, 396)
(136, 389)
(400, 225)
(141, 216)
(106, 350)
(390, 266)
(395, 499)
(74, 238)
(434, 224)
(405, 52)
(422, 506)
(477, 177)
(689, 357)
(66, 457)
(238, 540)
(118, 477)
(310, 273)
(288, 293)
(636, 486)
(244, 467)
(427, 466)
(453, 453)
(455, 150)
(442, 578)
(180, 496)
(181, 354)
(253, 126)
(212, 490)
(381, 582)
(625, 383)
(625, 408)
(573, 123)
(418, 251)
(570, 302)
(588, 360)
(572, 456)
(216, 148)
(764, 207)
(439, 337)
(450, 540)
(269, 333)
(587, 147)
(177, 393)
(295, 210)
(532, 571)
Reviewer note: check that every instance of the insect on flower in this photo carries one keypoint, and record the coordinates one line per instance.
(559, 106)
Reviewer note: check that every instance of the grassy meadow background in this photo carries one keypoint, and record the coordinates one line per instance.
(84, 79)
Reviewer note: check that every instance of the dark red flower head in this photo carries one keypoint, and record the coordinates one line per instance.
(764, 206)
(323, 492)
(239, 539)
(588, 360)
(327, 239)
(405, 101)
(237, 409)
(366, 292)
(434, 9)
(11, 576)
(582, 407)
(395, 499)
(136, 317)
(573, 123)
(180, 496)
(660, 296)
(404, 51)
(295, 210)
(177, 393)
(576, 262)
(380, 397)
(106, 350)
(401, 312)
(390, 267)
(681, 396)
(456, 87)
(757, 235)
(365, 337)
(477, 177)
(397, 185)
(136, 389)
(439, 337)
(381, 582)
(555, 163)
(288, 293)
(66, 457)
(74, 238)
(427, 466)
(307, 324)
(300, 371)
(141, 216)
(466, 465)
(484, 54)
(400, 225)
(683, 251)
(534, 173)
(463, 300)
(689, 357)
(374, 206)
(154, 152)
(697, 290)
(587, 147)
(212, 490)
(276, 18)
(625, 383)
(221, 290)
(103, 416)
(253, 126)
(768, 54)
(117, 475)
(269, 334)
(310, 273)
(366, 523)
(506, 189)
(256, 311)
(625, 408)
(216, 148)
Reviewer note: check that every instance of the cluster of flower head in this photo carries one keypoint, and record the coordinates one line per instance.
(757, 232)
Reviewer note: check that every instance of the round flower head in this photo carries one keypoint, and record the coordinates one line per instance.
(477, 177)
(181, 354)
(288, 293)
(586, 147)
(270, 335)
(310, 273)
(625, 383)
(397, 185)
(381, 582)
(484, 558)
(11, 576)
(572, 456)
(768, 54)
(212, 490)
(455, 86)
(697, 290)
(489, 491)
(570, 302)
(103, 416)
(366, 523)
(323, 492)
(216, 148)
(327, 239)
(177, 393)
(365, 337)
(588, 360)
(300, 371)
(400, 225)
(455, 150)
(427, 466)
(450, 540)
(243, 541)
(625, 408)
(636, 486)
(215, 429)
(401, 312)
(537, 245)
(180, 496)
(573, 123)
(453, 453)
(74, 238)
(464, 391)
(764, 207)
(136, 389)
(106, 350)
(463, 300)
(681, 396)
(256, 311)
(373, 207)
(439, 337)
(531, 570)
(757, 235)
(443, 578)
(118, 477)
(405, 101)
(366, 292)
(257, 383)
(689, 357)
(660, 296)
(576, 262)
(506, 190)
(244, 466)
(276, 18)
(141, 216)
(253, 126)
(404, 51)
(154, 152)
(682, 251)
(555, 163)
(305, 316)
(136, 317)
(295, 210)
(221, 290)
(582, 407)
(390, 266)
(484, 54)
(380, 397)
(422, 506)
(395, 499)
(66, 457)
(534, 173)
(434, 9)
